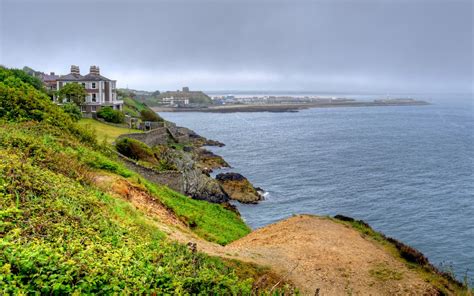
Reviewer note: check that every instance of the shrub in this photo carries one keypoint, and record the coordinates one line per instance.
(149, 115)
(21, 101)
(73, 111)
(135, 149)
(111, 115)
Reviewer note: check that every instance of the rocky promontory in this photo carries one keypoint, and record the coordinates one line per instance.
(239, 188)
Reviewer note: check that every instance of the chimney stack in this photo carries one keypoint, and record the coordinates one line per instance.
(75, 69)
(94, 70)
(51, 73)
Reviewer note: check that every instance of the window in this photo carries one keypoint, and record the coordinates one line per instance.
(94, 97)
(84, 84)
(93, 84)
(93, 108)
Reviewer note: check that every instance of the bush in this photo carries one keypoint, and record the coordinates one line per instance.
(149, 115)
(21, 101)
(135, 150)
(111, 115)
(73, 111)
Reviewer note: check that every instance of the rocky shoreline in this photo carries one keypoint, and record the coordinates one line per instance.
(175, 156)
(291, 107)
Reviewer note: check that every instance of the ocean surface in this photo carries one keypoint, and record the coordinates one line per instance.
(408, 171)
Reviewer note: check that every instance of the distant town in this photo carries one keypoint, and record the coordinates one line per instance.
(102, 91)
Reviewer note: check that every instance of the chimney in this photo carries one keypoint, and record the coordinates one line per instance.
(51, 73)
(75, 69)
(94, 70)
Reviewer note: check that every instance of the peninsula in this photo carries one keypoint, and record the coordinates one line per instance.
(291, 107)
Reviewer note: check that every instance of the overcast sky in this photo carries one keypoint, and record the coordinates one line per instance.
(383, 46)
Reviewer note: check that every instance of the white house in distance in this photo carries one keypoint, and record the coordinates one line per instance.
(101, 91)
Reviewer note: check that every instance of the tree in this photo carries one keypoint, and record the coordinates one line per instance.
(74, 92)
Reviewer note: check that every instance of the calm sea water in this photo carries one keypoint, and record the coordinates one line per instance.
(407, 171)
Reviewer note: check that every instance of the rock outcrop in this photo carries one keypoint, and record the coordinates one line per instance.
(197, 184)
(239, 188)
(209, 161)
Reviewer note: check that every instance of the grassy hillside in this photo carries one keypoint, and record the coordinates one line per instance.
(133, 107)
(60, 234)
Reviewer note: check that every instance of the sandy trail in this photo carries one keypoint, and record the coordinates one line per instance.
(314, 253)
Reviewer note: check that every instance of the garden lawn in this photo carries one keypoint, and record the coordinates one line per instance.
(106, 132)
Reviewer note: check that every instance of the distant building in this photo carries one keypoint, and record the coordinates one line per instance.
(176, 101)
(185, 98)
(101, 91)
(49, 81)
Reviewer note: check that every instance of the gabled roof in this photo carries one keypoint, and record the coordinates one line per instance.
(95, 77)
(48, 77)
(71, 77)
(79, 77)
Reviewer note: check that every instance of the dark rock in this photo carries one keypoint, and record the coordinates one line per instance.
(214, 143)
(231, 207)
(230, 177)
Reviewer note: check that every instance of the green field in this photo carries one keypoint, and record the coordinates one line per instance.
(105, 132)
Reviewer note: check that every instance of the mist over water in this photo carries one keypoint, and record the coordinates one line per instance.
(408, 171)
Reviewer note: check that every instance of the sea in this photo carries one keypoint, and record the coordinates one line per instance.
(408, 171)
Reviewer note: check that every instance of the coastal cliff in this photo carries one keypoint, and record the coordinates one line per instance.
(76, 219)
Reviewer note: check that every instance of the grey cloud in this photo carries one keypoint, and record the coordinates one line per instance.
(372, 45)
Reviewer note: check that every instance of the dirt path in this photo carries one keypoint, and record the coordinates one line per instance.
(314, 253)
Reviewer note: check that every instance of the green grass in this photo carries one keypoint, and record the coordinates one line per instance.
(208, 220)
(59, 234)
(133, 107)
(105, 132)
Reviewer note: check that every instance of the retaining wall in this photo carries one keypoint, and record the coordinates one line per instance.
(172, 179)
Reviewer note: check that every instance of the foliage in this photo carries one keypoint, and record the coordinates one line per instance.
(149, 115)
(20, 101)
(111, 115)
(159, 158)
(59, 234)
(135, 149)
(138, 109)
(73, 111)
(23, 76)
(73, 92)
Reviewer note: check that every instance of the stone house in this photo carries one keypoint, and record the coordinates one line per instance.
(101, 91)
(50, 81)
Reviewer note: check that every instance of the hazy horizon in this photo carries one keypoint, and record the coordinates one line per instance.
(373, 46)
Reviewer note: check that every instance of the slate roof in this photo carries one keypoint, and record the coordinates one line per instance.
(95, 77)
(71, 77)
(79, 77)
(48, 77)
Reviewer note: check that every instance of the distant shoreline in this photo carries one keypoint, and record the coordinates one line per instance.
(287, 107)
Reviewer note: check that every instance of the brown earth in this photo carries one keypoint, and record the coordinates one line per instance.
(313, 253)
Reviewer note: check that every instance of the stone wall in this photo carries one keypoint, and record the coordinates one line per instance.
(152, 138)
(179, 134)
(172, 179)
